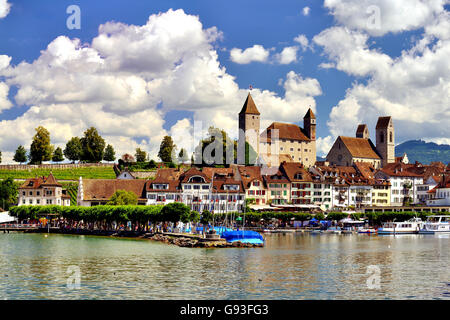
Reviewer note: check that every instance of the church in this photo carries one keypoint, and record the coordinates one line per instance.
(346, 151)
(280, 141)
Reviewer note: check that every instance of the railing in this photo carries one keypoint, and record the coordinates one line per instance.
(18, 226)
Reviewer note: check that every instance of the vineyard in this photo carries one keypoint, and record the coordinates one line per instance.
(61, 174)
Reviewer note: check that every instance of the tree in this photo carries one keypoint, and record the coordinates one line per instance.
(209, 144)
(166, 149)
(175, 211)
(141, 155)
(8, 193)
(58, 155)
(93, 146)
(20, 155)
(41, 149)
(73, 150)
(151, 164)
(110, 154)
(123, 197)
(183, 156)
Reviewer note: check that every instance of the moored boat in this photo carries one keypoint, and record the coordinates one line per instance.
(244, 236)
(367, 231)
(436, 225)
(412, 226)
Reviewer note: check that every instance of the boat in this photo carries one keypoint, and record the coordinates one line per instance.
(351, 226)
(244, 236)
(367, 231)
(335, 230)
(412, 226)
(436, 225)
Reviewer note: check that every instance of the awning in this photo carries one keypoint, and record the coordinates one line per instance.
(5, 217)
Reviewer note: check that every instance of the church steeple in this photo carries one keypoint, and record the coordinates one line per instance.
(249, 106)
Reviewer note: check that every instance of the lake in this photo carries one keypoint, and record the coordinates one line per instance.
(290, 266)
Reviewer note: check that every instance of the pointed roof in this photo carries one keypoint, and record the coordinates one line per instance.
(309, 114)
(383, 122)
(249, 106)
(51, 181)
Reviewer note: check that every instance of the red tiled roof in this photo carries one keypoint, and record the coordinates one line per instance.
(36, 183)
(360, 147)
(287, 131)
(249, 174)
(103, 189)
(292, 168)
(402, 170)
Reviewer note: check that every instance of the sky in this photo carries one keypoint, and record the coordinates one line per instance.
(139, 70)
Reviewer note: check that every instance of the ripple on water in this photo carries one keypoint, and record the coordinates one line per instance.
(289, 267)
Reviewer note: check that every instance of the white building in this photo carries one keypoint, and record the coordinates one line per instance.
(440, 195)
(42, 191)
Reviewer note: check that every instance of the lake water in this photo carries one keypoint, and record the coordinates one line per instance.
(291, 266)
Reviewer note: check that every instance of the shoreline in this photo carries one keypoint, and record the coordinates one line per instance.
(180, 240)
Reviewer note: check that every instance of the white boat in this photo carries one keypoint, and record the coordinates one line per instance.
(335, 230)
(412, 226)
(436, 224)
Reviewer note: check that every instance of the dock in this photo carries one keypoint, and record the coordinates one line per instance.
(19, 227)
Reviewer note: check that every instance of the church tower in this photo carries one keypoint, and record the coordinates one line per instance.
(249, 118)
(309, 124)
(385, 140)
(362, 131)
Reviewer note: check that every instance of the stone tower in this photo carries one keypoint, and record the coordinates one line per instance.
(362, 131)
(249, 118)
(385, 140)
(309, 124)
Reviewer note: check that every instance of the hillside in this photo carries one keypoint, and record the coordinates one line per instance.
(61, 174)
(424, 152)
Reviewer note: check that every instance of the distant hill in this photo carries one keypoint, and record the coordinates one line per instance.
(424, 152)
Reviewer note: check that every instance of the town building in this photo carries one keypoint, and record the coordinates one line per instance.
(299, 144)
(440, 195)
(347, 151)
(43, 191)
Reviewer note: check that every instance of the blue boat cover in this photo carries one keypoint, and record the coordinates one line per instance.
(246, 236)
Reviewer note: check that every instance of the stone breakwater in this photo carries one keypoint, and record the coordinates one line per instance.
(192, 242)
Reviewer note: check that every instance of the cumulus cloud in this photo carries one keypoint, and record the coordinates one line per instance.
(256, 53)
(303, 41)
(413, 88)
(287, 55)
(125, 81)
(378, 17)
(5, 7)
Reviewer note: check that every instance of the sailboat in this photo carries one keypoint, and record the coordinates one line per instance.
(244, 236)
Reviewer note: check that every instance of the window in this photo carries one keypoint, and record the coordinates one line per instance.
(38, 201)
(205, 187)
(381, 137)
(256, 183)
(187, 187)
(151, 196)
(196, 187)
(31, 193)
(281, 148)
(38, 193)
(390, 136)
(23, 193)
(30, 201)
(292, 149)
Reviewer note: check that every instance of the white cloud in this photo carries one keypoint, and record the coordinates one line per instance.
(5, 7)
(378, 17)
(304, 42)
(306, 11)
(413, 88)
(323, 145)
(4, 101)
(256, 53)
(349, 50)
(287, 55)
(127, 79)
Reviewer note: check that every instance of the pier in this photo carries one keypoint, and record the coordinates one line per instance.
(19, 227)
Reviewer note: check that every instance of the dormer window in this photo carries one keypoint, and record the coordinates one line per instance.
(298, 176)
(196, 179)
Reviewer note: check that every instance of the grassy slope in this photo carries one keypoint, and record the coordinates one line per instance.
(62, 174)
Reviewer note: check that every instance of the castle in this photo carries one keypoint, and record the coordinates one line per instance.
(287, 142)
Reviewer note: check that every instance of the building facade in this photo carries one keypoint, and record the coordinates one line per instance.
(43, 191)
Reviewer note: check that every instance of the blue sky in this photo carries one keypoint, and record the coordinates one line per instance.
(30, 26)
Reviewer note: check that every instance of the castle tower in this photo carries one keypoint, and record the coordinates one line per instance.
(362, 131)
(249, 118)
(309, 124)
(385, 140)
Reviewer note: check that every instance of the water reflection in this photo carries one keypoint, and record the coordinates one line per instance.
(291, 266)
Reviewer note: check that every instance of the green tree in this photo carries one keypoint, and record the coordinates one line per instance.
(58, 155)
(41, 149)
(110, 154)
(73, 150)
(8, 193)
(20, 155)
(183, 156)
(166, 149)
(93, 146)
(141, 155)
(224, 143)
(123, 197)
(175, 212)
